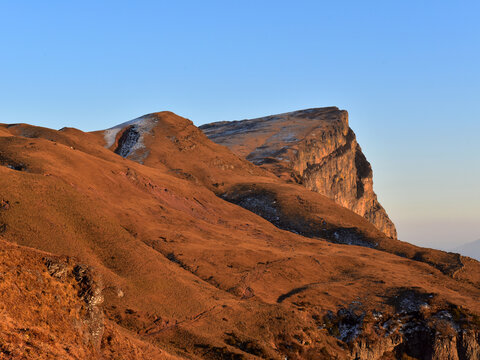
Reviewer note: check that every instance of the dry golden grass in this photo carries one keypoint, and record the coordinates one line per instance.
(186, 272)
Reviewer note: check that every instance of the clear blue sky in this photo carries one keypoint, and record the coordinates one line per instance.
(408, 72)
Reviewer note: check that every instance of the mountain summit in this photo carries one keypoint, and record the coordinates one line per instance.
(313, 147)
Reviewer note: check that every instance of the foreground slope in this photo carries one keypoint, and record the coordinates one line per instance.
(51, 309)
(187, 271)
(314, 147)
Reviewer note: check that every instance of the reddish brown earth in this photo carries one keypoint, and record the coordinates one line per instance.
(199, 254)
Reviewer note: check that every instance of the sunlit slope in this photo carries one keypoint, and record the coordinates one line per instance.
(188, 270)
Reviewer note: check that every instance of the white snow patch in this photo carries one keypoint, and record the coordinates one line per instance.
(143, 124)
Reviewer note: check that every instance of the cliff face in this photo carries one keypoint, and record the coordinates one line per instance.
(314, 147)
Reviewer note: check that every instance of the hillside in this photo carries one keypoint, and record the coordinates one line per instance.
(51, 309)
(203, 255)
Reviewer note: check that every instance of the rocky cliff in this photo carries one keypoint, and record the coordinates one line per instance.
(314, 147)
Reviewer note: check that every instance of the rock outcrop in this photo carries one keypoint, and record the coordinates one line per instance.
(314, 147)
(89, 290)
(419, 328)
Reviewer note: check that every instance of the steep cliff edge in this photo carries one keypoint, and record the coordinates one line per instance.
(314, 147)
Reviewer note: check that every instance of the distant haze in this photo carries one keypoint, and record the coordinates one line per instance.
(406, 71)
(445, 235)
(470, 249)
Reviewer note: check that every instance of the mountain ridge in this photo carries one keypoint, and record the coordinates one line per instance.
(313, 147)
(204, 255)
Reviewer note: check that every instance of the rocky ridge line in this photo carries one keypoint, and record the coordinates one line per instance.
(314, 147)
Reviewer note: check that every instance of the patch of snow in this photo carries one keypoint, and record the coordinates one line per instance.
(143, 124)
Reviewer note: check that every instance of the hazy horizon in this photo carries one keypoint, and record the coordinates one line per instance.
(406, 72)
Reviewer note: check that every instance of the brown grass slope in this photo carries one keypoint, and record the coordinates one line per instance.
(178, 147)
(45, 311)
(197, 276)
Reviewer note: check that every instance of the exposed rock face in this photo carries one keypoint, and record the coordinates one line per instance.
(420, 328)
(90, 291)
(314, 147)
(130, 136)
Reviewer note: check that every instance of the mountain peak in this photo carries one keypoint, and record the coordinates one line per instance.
(128, 139)
(314, 147)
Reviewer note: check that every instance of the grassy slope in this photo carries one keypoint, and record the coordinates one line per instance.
(184, 269)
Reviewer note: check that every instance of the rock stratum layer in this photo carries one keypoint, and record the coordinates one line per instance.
(314, 147)
(149, 241)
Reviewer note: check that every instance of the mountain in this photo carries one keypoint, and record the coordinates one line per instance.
(471, 249)
(150, 241)
(313, 147)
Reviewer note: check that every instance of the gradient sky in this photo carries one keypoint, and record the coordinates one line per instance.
(408, 72)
